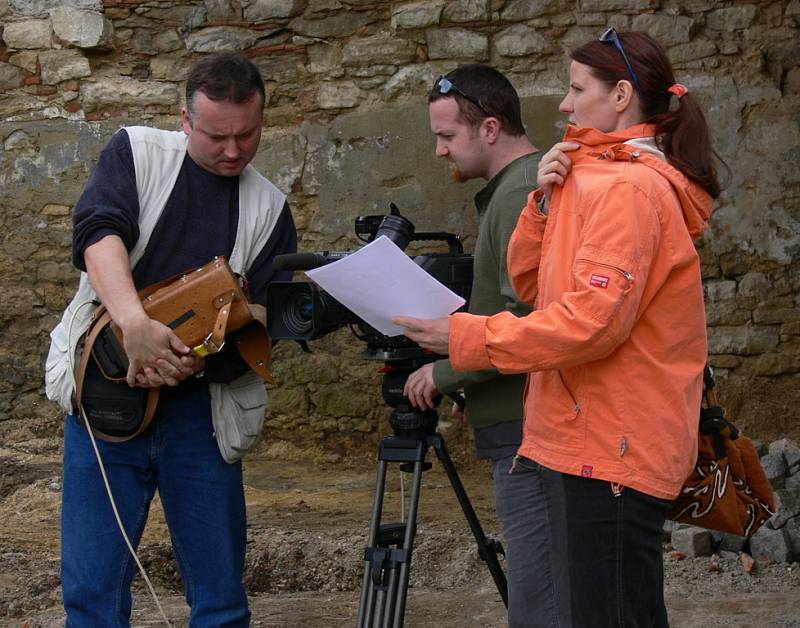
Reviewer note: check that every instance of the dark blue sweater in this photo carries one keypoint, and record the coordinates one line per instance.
(199, 222)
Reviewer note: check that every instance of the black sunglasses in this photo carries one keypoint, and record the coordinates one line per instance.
(445, 86)
(610, 36)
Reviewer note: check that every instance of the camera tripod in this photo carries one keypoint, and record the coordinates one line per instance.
(387, 557)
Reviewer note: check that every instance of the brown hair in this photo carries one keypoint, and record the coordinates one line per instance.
(225, 76)
(682, 132)
(490, 88)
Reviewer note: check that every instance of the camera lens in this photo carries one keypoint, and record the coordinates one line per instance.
(299, 312)
(398, 229)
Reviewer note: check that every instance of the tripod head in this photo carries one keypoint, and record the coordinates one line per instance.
(406, 420)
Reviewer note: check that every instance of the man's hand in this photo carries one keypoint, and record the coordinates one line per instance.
(420, 388)
(554, 166)
(156, 356)
(150, 378)
(433, 335)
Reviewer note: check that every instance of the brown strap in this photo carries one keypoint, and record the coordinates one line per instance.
(103, 318)
(254, 346)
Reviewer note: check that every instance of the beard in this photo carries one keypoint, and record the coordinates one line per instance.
(457, 175)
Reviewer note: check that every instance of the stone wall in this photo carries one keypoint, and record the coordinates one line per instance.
(347, 133)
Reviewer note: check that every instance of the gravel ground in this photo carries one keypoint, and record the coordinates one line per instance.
(307, 529)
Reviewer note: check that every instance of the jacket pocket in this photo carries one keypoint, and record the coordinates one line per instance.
(238, 412)
(556, 410)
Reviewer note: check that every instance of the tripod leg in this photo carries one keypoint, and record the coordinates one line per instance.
(487, 548)
(399, 591)
(366, 605)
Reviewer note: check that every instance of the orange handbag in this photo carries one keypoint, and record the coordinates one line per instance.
(728, 489)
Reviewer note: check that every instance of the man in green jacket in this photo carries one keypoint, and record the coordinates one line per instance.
(475, 116)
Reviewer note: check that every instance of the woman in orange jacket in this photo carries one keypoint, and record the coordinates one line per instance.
(616, 345)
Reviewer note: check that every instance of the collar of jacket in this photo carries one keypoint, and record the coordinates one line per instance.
(695, 202)
(593, 137)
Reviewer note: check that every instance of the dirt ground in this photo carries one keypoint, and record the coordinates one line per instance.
(308, 519)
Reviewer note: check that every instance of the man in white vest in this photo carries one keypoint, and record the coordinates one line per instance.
(160, 203)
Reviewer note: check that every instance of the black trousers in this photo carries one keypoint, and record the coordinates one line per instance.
(616, 569)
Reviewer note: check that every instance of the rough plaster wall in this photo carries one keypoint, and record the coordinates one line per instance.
(347, 133)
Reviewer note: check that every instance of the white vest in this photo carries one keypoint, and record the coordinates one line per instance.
(237, 408)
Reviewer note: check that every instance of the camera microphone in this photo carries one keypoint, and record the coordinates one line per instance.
(305, 261)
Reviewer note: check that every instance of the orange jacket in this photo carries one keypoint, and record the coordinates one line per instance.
(616, 346)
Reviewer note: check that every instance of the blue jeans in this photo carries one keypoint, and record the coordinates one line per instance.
(527, 500)
(615, 555)
(203, 500)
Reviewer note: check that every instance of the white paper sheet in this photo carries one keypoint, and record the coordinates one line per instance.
(379, 281)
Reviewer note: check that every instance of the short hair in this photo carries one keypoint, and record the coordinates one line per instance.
(228, 76)
(491, 89)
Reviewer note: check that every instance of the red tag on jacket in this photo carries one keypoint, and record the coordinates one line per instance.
(599, 281)
(586, 471)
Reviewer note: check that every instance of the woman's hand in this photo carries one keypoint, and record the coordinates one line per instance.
(554, 166)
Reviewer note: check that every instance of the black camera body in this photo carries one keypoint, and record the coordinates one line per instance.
(302, 311)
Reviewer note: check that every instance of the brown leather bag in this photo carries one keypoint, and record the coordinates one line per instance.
(728, 489)
(202, 307)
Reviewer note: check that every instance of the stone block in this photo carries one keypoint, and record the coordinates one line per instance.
(467, 11)
(416, 15)
(258, 10)
(63, 65)
(220, 39)
(770, 545)
(732, 542)
(618, 5)
(694, 50)
(692, 541)
(28, 34)
(10, 76)
(792, 482)
(788, 448)
(126, 92)
(788, 500)
(720, 289)
(223, 9)
(731, 18)
(667, 29)
(518, 10)
(170, 68)
(755, 285)
(416, 78)
(378, 49)
(775, 468)
(41, 7)
(519, 41)
(457, 43)
(339, 95)
(744, 340)
(82, 29)
(333, 26)
(27, 60)
(726, 313)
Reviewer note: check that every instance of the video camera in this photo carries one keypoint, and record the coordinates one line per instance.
(301, 311)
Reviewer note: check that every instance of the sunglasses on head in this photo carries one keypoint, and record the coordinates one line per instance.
(445, 86)
(610, 36)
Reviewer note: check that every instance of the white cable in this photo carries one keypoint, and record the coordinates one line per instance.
(103, 469)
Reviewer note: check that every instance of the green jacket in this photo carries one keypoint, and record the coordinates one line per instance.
(491, 397)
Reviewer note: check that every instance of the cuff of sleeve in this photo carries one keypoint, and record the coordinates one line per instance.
(444, 377)
(467, 345)
(537, 206)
